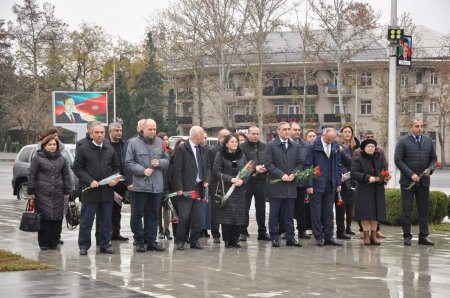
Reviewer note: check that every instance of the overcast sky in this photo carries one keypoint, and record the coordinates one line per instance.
(128, 18)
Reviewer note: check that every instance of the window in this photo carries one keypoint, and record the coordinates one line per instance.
(405, 107)
(230, 111)
(404, 80)
(277, 82)
(310, 108)
(366, 107)
(335, 81)
(293, 82)
(278, 108)
(336, 108)
(366, 79)
(25, 155)
(433, 79)
(250, 110)
(230, 82)
(419, 78)
(187, 110)
(419, 106)
(433, 107)
(293, 109)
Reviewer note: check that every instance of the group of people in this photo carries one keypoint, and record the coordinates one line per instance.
(352, 180)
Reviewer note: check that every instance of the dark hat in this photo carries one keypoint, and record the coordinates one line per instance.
(367, 142)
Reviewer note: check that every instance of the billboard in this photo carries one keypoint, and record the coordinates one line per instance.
(404, 51)
(74, 107)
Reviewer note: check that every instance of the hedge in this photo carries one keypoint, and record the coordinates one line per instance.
(439, 207)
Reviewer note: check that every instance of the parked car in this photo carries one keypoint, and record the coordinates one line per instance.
(173, 140)
(21, 169)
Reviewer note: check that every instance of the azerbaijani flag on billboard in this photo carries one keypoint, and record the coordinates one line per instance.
(80, 107)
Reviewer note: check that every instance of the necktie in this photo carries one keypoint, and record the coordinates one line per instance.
(199, 163)
(285, 144)
(72, 119)
(418, 139)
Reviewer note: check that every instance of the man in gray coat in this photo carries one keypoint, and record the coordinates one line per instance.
(145, 161)
(282, 161)
(415, 156)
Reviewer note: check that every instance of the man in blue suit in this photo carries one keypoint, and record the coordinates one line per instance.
(69, 115)
(283, 159)
(324, 153)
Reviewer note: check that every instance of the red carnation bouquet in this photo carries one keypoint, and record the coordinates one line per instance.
(312, 172)
(385, 176)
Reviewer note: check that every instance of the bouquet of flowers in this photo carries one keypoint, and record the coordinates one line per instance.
(340, 201)
(437, 165)
(312, 172)
(191, 194)
(385, 176)
(246, 171)
(107, 180)
(346, 176)
(173, 212)
(156, 154)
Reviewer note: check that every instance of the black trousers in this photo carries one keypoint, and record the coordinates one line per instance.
(344, 213)
(256, 190)
(422, 195)
(190, 217)
(302, 211)
(215, 227)
(230, 233)
(49, 233)
(322, 213)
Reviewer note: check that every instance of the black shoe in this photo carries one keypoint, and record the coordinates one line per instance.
(44, 247)
(294, 242)
(332, 242)
(349, 231)
(264, 237)
(283, 236)
(216, 240)
(83, 252)
(155, 247)
(236, 245)
(180, 246)
(60, 242)
(107, 250)
(425, 241)
(407, 241)
(319, 242)
(275, 243)
(140, 247)
(119, 238)
(228, 245)
(196, 245)
(303, 235)
(243, 237)
(343, 236)
(161, 235)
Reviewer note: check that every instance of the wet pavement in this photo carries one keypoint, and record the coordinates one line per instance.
(255, 270)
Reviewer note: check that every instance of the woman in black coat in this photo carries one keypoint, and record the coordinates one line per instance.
(370, 205)
(227, 164)
(49, 185)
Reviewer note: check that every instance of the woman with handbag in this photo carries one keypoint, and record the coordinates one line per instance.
(49, 185)
(227, 164)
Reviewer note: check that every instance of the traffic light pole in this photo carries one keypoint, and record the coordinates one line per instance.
(392, 118)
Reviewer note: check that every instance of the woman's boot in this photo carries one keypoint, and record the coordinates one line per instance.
(366, 238)
(373, 238)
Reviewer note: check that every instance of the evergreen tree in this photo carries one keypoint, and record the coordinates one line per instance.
(149, 101)
(124, 106)
(170, 123)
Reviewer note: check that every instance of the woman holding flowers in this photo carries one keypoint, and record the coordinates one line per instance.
(227, 164)
(370, 208)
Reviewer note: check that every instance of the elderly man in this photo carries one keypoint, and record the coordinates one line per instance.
(415, 155)
(69, 115)
(95, 161)
(145, 161)
(324, 153)
(283, 159)
(191, 172)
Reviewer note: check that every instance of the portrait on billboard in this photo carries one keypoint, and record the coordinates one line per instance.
(70, 107)
(404, 51)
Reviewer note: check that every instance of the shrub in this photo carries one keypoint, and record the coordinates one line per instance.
(393, 207)
(442, 203)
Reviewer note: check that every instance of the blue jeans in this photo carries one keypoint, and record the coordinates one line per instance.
(87, 219)
(145, 205)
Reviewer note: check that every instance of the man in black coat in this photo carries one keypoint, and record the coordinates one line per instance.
(95, 161)
(191, 172)
(255, 150)
(415, 155)
(282, 161)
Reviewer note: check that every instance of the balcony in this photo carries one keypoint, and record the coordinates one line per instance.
(415, 115)
(274, 119)
(184, 120)
(332, 92)
(290, 91)
(333, 118)
(245, 118)
(416, 90)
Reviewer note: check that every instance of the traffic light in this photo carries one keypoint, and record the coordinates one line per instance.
(395, 35)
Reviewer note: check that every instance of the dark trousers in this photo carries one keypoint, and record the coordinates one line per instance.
(256, 190)
(146, 203)
(115, 218)
(131, 194)
(422, 195)
(230, 233)
(215, 227)
(287, 205)
(344, 213)
(302, 212)
(322, 213)
(87, 219)
(190, 217)
(49, 233)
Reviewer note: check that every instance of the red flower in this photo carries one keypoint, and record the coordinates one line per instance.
(340, 202)
(174, 220)
(194, 195)
(317, 172)
(205, 200)
(307, 200)
(438, 165)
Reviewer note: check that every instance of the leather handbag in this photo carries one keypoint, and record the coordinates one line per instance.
(220, 192)
(31, 220)
(72, 215)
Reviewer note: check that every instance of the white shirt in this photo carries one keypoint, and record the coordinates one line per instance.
(326, 148)
(97, 144)
(195, 156)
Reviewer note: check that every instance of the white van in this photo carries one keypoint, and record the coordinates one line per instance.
(174, 139)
